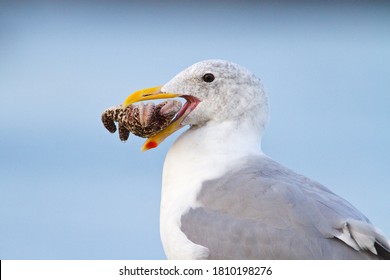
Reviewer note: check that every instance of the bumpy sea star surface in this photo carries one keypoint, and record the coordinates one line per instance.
(143, 120)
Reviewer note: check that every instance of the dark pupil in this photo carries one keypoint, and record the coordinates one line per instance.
(208, 78)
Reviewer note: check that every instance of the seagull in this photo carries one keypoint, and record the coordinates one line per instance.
(223, 198)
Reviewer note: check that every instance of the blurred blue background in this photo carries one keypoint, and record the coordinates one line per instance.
(71, 190)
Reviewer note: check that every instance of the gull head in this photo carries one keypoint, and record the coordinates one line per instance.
(216, 91)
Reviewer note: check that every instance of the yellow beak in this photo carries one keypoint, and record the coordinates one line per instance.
(147, 94)
(150, 94)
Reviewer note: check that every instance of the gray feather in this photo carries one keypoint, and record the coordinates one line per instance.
(262, 210)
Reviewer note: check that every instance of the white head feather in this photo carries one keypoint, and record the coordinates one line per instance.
(234, 95)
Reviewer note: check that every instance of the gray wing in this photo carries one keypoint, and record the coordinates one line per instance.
(262, 210)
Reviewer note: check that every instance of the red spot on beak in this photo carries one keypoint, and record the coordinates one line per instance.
(151, 145)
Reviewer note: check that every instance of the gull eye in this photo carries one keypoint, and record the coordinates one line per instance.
(208, 77)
